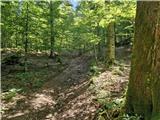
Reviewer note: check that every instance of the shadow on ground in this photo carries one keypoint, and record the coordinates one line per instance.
(65, 94)
(63, 97)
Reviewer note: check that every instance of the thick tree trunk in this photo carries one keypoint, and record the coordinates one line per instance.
(143, 95)
(111, 44)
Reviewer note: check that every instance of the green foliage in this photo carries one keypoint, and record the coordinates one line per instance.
(10, 94)
(38, 83)
(30, 80)
(95, 69)
(82, 30)
(117, 71)
(109, 108)
(79, 29)
(127, 117)
(114, 104)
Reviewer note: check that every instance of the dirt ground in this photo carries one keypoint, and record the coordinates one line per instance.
(68, 94)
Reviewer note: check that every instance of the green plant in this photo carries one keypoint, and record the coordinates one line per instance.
(94, 69)
(25, 77)
(121, 68)
(30, 80)
(37, 83)
(110, 109)
(10, 94)
(117, 71)
(127, 117)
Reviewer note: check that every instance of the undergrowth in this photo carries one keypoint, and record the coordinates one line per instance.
(113, 110)
(109, 108)
(10, 94)
(30, 80)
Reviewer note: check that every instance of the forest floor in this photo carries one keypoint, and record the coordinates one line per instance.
(76, 90)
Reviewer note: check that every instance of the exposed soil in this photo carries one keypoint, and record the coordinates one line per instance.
(68, 94)
(64, 96)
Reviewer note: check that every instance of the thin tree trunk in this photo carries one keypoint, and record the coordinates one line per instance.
(26, 39)
(143, 95)
(52, 30)
(95, 54)
(111, 44)
(99, 47)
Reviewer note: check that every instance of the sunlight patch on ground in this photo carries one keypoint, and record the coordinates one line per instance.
(110, 85)
(42, 100)
(78, 108)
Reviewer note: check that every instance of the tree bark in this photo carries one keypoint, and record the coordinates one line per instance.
(52, 39)
(26, 39)
(143, 95)
(111, 44)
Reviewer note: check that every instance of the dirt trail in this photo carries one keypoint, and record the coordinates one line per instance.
(64, 97)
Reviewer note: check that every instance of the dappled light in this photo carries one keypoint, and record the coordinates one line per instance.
(80, 60)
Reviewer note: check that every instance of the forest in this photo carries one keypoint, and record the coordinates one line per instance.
(80, 60)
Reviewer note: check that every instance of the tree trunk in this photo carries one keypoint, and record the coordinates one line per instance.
(100, 43)
(143, 95)
(26, 39)
(111, 44)
(95, 54)
(52, 30)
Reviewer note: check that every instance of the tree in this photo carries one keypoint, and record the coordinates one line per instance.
(55, 25)
(110, 33)
(54, 15)
(26, 37)
(111, 43)
(52, 39)
(143, 95)
(8, 23)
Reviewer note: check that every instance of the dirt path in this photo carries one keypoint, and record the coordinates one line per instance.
(69, 95)
(64, 97)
